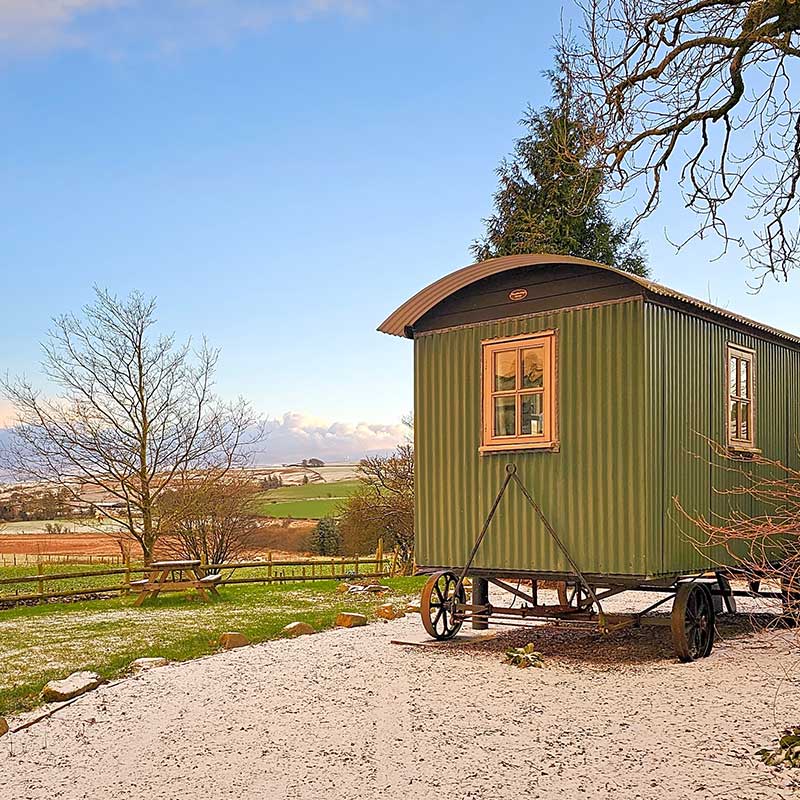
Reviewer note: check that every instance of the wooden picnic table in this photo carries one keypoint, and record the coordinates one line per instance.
(176, 576)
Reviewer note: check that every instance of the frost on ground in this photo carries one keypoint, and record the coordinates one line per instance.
(347, 714)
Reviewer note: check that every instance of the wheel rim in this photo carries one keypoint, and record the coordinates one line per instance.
(438, 598)
(693, 622)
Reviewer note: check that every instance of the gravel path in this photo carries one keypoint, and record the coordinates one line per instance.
(347, 714)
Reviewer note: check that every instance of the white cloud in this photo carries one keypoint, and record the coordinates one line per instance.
(114, 26)
(296, 436)
(34, 24)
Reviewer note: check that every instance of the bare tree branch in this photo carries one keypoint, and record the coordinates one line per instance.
(706, 86)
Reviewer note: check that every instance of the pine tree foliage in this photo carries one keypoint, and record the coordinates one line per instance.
(548, 201)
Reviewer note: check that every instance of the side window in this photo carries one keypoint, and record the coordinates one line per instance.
(519, 392)
(741, 407)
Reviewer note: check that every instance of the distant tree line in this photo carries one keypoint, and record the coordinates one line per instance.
(20, 505)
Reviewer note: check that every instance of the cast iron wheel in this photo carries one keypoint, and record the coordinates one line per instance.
(692, 621)
(436, 605)
(790, 603)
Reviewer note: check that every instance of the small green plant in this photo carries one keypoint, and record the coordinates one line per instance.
(325, 539)
(523, 657)
(787, 753)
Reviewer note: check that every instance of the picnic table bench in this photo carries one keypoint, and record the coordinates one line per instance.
(176, 576)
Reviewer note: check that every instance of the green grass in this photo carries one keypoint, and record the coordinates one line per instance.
(32, 586)
(309, 491)
(49, 641)
(311, 501)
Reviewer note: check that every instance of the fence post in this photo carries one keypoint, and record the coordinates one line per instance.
(379, 556)
(269, 566)
(394, 563)
(127, 572)
(356, 564)
(40, 572)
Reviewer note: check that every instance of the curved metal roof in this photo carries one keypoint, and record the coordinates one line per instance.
(423, 301)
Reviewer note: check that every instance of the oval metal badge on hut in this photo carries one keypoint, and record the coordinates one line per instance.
(517, 294)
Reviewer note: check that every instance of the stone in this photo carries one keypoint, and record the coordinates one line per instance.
(388, 611)
(376, 588)
(348, 620)
(411, 608)
(3, 727)
(297, 629)
(343, 587)
(233, 639)
(142, 664)
(76, 684)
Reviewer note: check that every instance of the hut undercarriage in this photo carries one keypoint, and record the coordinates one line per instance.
(696, 598)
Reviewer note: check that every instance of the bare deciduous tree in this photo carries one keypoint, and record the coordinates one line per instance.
(383, 505)
(134, 412)
(209, 516)
(703, 86)
(765, 546)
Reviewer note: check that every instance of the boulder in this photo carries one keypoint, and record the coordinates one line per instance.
(233, 639)
(348, 620)
(76, 684)
(3, 727)
(297, 629)
(142, 664)
(388, 611)
(343, 587)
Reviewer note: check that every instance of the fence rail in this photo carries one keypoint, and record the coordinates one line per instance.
(267, 571)
(23, 559)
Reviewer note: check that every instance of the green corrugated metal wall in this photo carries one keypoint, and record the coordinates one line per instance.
(592, 490)
(686, 386)
(639, 386)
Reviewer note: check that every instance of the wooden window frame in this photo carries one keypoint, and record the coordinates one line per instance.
(742, 354)
(548, 439)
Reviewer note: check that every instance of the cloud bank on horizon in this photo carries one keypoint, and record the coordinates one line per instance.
(296, 436)
(114, 26)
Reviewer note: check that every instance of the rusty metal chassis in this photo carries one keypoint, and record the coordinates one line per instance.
(587, 608)
(584, 611)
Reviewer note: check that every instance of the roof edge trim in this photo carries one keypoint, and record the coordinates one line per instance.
(402, 320)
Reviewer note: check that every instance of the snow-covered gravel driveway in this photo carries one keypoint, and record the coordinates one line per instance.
(347, 714)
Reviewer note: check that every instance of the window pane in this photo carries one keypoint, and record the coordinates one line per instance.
(744, 384)
(505, 413)
(734, 374)
(532, 417)
(533, 368)
(505, 371)
(734, 420)
(744, 421)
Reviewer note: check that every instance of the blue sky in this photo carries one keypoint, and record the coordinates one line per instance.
(281, 175)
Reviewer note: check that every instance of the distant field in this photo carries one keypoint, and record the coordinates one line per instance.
(312, 501)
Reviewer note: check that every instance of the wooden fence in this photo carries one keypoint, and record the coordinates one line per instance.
(22, 559)
(263, 571)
